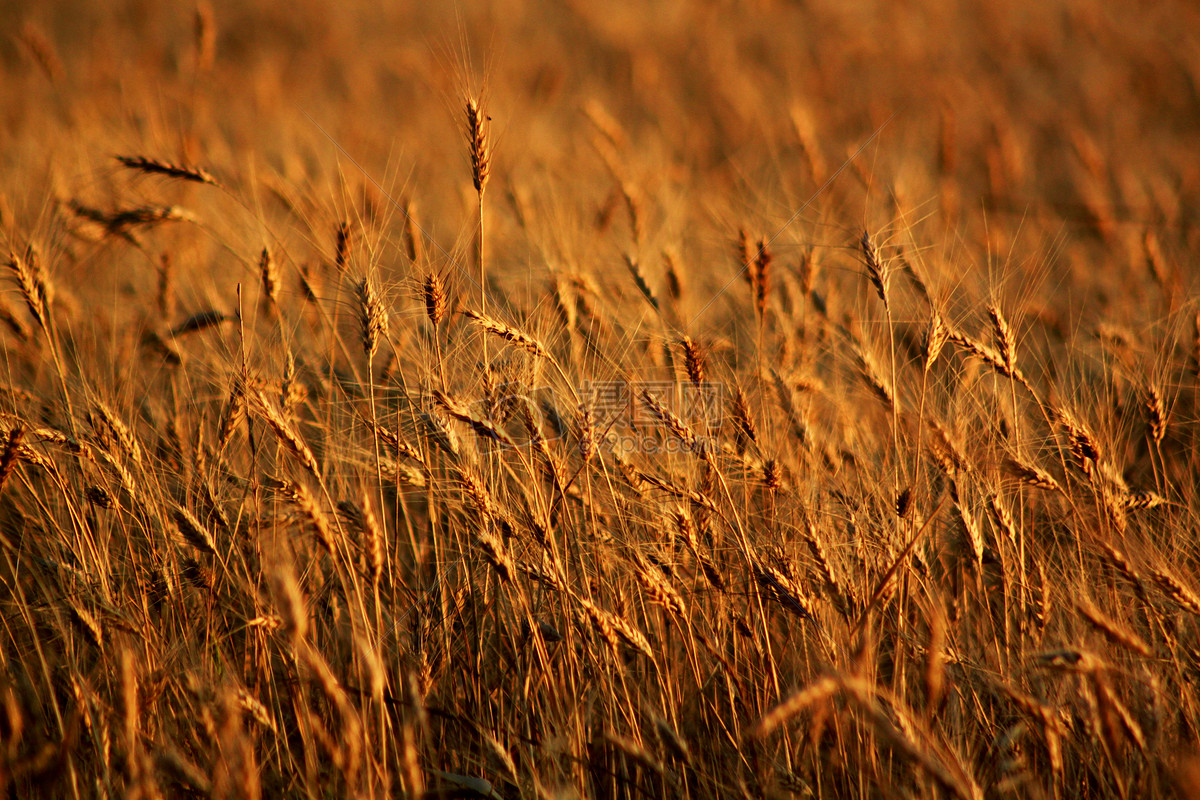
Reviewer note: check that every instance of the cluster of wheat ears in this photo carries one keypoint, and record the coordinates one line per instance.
(318, 484)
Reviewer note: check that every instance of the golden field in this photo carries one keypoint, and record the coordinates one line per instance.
(537, 400)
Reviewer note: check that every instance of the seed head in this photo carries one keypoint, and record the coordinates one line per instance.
(372, 317)
(477, 144)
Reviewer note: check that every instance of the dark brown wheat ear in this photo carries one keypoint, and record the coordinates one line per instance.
(269, 274)
(8, 461)
(154, 166)
(477, 145)
(693, 359)
(341, 247)
(876, 271)
(433, 295)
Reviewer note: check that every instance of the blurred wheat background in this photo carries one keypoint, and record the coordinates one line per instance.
(539, 400)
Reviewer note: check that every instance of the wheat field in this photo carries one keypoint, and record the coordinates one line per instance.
(536, 400)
